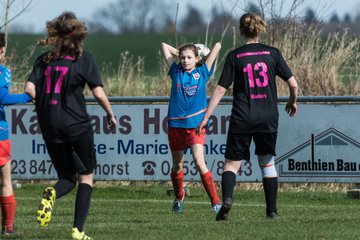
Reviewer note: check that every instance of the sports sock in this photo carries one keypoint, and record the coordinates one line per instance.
(209, 185)
(228, 181)
(270, 189)
(8, 206)
(82, 205)
(177, 181)
(63, 187)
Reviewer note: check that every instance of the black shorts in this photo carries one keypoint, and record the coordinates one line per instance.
(238, 145)
(70, 158)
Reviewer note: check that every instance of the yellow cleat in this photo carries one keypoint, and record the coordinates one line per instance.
(43, 214)
(77, 235)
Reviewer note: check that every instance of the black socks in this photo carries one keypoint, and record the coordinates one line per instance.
(82, 205)
(270, 189)
(228, 181)
(63, 187)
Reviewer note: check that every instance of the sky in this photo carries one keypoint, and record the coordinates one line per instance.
(44, 10)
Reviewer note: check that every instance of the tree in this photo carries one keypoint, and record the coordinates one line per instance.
(126, 16)
(310, 16)
(334, 19)
(253, 8)
(347, 19)
(220, 19)
(193, 21)
(12, 10)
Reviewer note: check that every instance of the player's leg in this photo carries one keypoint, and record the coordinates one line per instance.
(228, 181)
(237, 149)
(177, 176)
(85, 162)
(61, 157)
(265, 150)
(206, 176)
(176, 138)
(82, 205)
(7, 199)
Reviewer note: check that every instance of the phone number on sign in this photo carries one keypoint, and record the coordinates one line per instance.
(31, 167)
(216, 167)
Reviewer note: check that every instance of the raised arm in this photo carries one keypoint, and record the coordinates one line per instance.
(216, 96)
(168, 52)
(291, 106)
(101, 98)
(212, 55)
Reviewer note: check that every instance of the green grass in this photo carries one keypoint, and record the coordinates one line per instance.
(107, 48)
(144, 212)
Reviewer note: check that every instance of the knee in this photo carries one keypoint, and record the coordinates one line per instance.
(177, 167)
(88, 179)
(267, 166)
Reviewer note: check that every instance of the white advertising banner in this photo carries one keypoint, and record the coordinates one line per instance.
(320, 144)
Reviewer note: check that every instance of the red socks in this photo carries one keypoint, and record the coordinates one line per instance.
(177, 181)
(209, 185)
(8, 206)
(206, 179)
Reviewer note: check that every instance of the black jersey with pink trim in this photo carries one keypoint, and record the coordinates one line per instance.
(59, 101)
(252, 69)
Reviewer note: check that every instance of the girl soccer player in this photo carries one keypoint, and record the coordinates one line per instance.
(186, 108)
(7, 200)
(57, 83)
(252, 68)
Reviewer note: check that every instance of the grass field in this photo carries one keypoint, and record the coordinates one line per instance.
(143, 212)
(107, 48)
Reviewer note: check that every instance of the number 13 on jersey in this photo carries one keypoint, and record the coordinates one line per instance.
(261, 69)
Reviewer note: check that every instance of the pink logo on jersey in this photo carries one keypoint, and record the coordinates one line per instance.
(196, 76)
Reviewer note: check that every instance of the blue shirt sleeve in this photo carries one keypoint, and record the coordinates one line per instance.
(5, 77)
(7, 99)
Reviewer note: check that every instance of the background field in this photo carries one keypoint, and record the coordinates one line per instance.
(107, 48)
(141, 211)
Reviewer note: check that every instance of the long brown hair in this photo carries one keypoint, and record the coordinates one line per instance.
(65, 36)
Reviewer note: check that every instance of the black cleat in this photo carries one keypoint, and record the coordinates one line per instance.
(223, 213)
(272, 215)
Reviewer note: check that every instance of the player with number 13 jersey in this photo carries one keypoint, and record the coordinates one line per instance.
(253, 69)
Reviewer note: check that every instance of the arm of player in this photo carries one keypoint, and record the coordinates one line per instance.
(101, 98)
(168, 52)
(216, 96)
(8, 99)
(291, 106)
(30, 89)
(212, 56)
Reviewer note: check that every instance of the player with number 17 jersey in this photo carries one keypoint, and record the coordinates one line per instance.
(59, 100)
(253, 69)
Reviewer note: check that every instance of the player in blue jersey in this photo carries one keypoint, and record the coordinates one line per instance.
(187, 106)
(252, 68)
(7, 200)
(57, 83)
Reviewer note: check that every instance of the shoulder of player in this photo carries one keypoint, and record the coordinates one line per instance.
(4, 69)
(86, 57)
(269, 48)
(40, 58)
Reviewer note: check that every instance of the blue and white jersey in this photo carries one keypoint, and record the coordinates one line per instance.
(188, 96)
(5, 78)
